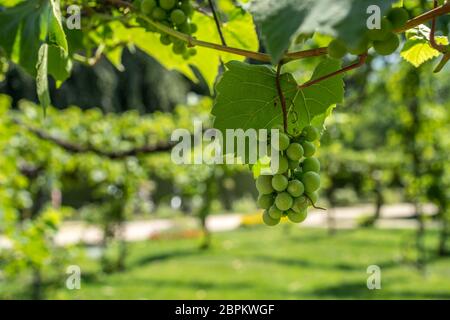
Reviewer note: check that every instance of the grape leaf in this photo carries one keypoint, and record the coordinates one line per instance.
(279, 21)
(418, 50)
(317, 99)
(247, 97)
(26, 26)
(32, 36)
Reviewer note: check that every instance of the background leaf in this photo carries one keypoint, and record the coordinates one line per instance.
(281, 20)
(418, 50)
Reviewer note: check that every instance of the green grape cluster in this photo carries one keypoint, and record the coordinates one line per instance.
(175, 14)
(293, 188)
(383, 40)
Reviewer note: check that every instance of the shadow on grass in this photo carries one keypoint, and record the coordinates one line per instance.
(304, 263)
(161, 257)
(194, 284)
(358, 290)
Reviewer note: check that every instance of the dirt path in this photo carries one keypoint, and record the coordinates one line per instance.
(392, 216)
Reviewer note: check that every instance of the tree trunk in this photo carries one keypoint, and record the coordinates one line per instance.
(123, 249)
(443, 236)
(420, 239)
(36, 284)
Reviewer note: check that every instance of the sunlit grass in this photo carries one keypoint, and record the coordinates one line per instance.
(270, 263)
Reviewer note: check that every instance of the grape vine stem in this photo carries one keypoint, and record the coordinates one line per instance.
(78, 148)
(433, 43)
(362, 60)
(313, 205)
(282, 97)
(263, 57)
(217, 21)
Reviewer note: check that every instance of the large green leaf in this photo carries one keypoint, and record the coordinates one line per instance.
(316, 100)
(281, 20)
(247, 97)
(26, 26)
(32, 36)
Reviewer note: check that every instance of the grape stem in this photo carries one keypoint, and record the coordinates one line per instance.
(217, 20)
(313, 205)
(433, 43)
(263, 57)
(425, 17)
(362, 60)
(282, 97)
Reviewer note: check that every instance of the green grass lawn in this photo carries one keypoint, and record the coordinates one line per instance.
(270, 263)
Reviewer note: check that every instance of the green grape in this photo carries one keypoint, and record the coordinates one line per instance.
(297, 217)
(284, 142)
(312, 196)
(137, 4)
(295, 151)
(311, 164)
(337, 49)
(194, 28)
(293, 164)
(284, 201)
(279, 182)
(295, 188)
(159, 14)
(184, 28)
(167, 4)
(381, 34)
(179, 47)
(311, 133)
(311, 181)
(192, 51)
(264, 184)
(360, 47)
(275, 213)
(178, 17)
(165, 39)
(268, 220)
(309, 148)
(147, 6)
(186, 55)
(283, 165)
(398, 17)
(265, 201)
(387, 46)
(167, 23)
(187, 8)
(300, 204)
